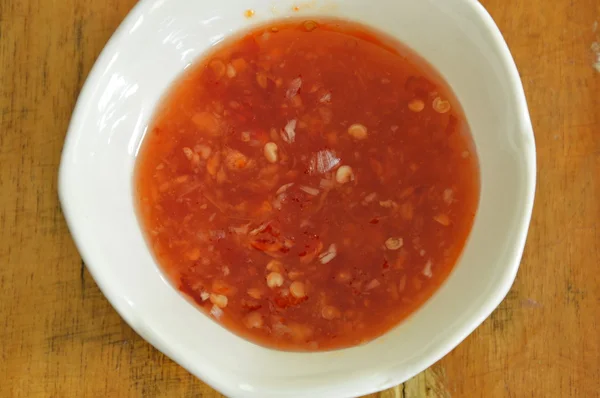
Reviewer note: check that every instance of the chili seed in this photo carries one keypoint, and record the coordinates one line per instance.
(416, 105)
(394, 243)
(297, 289)
(440, 105)
(344, 174)
(270, 150)
(358, 131)
(276, 266)
(274, 279)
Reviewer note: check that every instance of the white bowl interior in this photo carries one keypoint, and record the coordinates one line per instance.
(153, 46)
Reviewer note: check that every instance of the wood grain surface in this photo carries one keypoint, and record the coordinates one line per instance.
(59, 337)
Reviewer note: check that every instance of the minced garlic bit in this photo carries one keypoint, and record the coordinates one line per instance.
(326, 183)
(402, 284)
(442, 219)
(254, 293)
(261, 79)
(373, 284)
(325, 99)
(188, 153)
(329, 312)
(216, 312)
(448, 196)
(283, 188)
(203, 150)
(322, 162)
(388, 204)
(427, 269)
(369, 198)
(309, 190)
(219, 300)
(254, 320)
(218, 67)
(235, 160)
(394, 243)
(289, 131)
(294, 87)
(231, 72)
(329, 254)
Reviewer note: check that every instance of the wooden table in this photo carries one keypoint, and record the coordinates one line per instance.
(61, 338)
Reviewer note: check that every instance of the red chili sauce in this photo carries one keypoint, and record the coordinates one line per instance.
(309, 184)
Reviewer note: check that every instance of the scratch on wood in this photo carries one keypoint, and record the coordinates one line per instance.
(574, 295)
(82, 278)
(79, 52)
(430, 383)
(530, 303)
(122, 342)
(503, 315)
(394, 392)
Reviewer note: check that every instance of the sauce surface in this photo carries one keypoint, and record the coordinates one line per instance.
(309, 184)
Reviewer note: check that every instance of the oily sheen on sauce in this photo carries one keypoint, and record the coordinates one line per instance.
(308, 184)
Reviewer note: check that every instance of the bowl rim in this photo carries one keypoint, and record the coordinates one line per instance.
(524, 126)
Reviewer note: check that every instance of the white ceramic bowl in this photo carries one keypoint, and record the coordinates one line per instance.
(156, 42)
